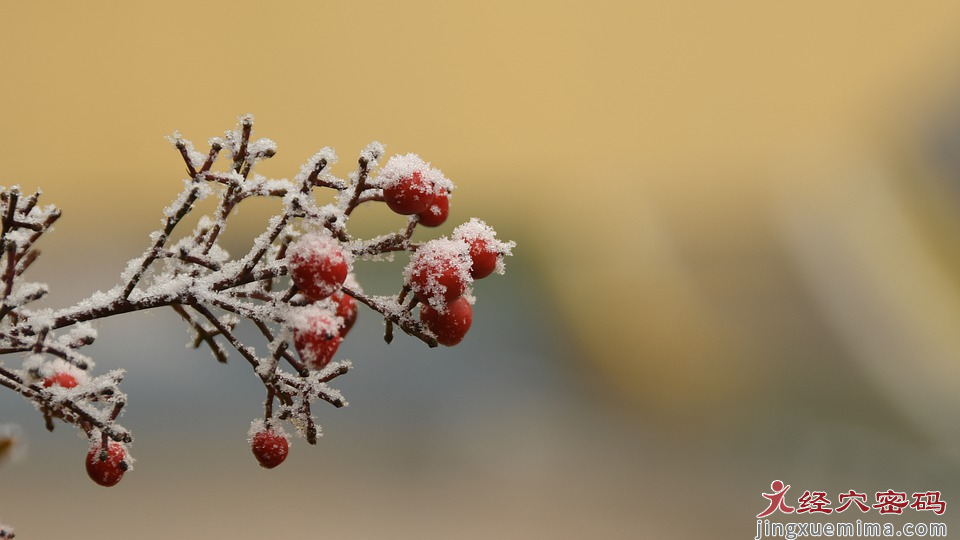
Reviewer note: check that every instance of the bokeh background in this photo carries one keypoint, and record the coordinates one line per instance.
(738, 260)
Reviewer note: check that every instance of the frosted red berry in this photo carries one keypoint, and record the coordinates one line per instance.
(317, 266)
(437, 212)
(483, 254)
(409, 194)
(451, 325)
(316, 336)
(269, 447)
(439, 272)
(346, 310)
(429, 280)
(485, 250)
(62, 379)
(107, 468)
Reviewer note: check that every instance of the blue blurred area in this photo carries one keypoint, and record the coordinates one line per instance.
(500, 416)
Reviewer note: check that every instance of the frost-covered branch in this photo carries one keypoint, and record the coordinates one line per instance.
(294, 286)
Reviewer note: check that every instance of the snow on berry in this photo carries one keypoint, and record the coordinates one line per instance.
(486, 252)
(60, 378)
(410, 184)
(439, 272)
(318, 265)
(58, 373)
(437, 212)
(269, 443)
(106, 468)
(409, 195)
(451, 325)
(316, 335)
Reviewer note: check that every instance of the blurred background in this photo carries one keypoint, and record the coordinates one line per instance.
(738, 260)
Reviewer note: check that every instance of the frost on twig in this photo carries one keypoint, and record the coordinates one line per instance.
(212, 291)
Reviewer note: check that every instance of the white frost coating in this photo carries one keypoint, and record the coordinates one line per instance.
(476, 229)
(196, 158)
(260, 147)
(258, 425)
(316, 246)
(314, 319)
(372, 153)
(83, 330)
(440, 182)
(316, 376)
(232, 138)
(310, 323)
(25, 291)
(399, 167)
(174, 207)
(96, 440)
(325, 153)
(328, 212)
(352, 283)
(20, 237)
(432, 261)
(261, 186)
(57, 365)
(32, 363)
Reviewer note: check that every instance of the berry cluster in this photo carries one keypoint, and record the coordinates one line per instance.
(295, 286)
(440, 273)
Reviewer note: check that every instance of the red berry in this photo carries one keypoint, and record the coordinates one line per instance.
(430, 279)
(439, 271)
(437, 212)
(316, 337)
(409, 194)
(60, 378)
(483, 253)
(107, 468)
(346, 310)
(451, 325)
(485, 249)
(269, 447)
(317, 265)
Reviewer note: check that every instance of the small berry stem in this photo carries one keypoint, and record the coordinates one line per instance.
(363, 170)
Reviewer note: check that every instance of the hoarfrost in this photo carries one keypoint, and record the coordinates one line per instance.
(372, 153)
(476, 230)
(434, 260)
(325, 154)
(313, 319)
(399, 167)
(258, 426)
(260, 147)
